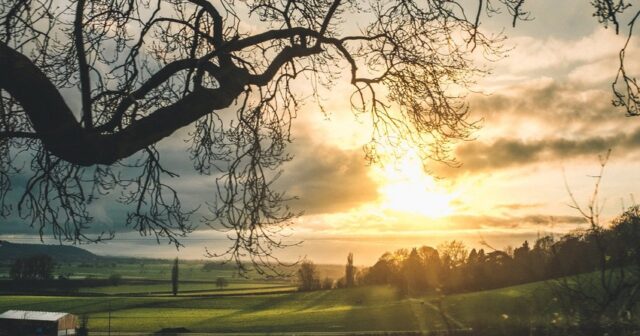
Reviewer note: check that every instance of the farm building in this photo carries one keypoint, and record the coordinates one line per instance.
(37, 323)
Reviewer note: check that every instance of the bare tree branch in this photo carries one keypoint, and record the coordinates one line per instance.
(145, 69)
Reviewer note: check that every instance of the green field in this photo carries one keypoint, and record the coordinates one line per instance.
(188, 288)
(150, 270)
(142, 302)
(338, 310)
(153, 269)
(359, 309)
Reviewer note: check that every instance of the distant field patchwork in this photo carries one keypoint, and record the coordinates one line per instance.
(359, 309)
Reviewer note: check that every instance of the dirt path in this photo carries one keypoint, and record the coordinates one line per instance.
(458, 324)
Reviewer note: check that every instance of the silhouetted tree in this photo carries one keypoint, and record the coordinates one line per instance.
(37, 267)
(384, 271)
(453, 256)
(350, 272)
(221, 282)
(477, 271)
(114, 279)
(413, 272)
(454, 251)
(144, 69)
(308, 277)
(327, 283)
(604, 291)
(497, 268)
(522, 262)
(175, 277)
(540, 257)
(431, 267)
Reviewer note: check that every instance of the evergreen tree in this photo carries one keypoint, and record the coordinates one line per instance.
(413, 272)
(174, 277)
(350, 271)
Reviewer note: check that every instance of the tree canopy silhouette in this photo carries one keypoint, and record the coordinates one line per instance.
(88, 88)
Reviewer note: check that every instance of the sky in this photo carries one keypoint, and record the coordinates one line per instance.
(546, 117)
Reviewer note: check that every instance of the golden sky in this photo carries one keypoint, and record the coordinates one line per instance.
(546, 116)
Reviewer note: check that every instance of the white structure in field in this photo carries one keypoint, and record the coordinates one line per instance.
(38, 323)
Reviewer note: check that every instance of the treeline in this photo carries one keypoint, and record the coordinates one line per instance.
(427, 268)
(37, 267)
(452, 267)
(309, 279)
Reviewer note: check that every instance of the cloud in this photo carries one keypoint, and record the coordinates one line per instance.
(326, 179)
(507, 153)
(543, 120)
(518, 206)
(545, 107)
(388, 223)
(527, 222)
(535, 54)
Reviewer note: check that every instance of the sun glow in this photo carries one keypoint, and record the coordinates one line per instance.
(407, 188)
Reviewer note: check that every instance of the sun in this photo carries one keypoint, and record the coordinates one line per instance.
(406, 187)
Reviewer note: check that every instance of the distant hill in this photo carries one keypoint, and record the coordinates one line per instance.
(60, 253)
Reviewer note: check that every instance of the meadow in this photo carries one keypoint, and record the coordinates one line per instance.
(142, 302)
(378, 308)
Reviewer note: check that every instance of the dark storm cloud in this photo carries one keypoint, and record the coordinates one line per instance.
(10, 226)
(324, 178)
(108, 214)
(327, 179)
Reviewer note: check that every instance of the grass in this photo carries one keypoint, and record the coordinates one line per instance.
(528, 305)
(373, 308)
(187, 287)
(157, 270)
(257, 305)
(358, 309)
(152, 269)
